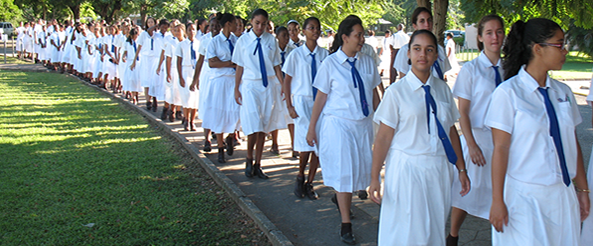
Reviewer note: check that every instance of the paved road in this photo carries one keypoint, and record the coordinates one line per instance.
(307, 222)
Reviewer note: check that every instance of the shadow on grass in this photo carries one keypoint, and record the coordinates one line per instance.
(78, 169)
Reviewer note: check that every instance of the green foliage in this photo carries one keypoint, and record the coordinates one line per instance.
(581, 38)
(10, 12)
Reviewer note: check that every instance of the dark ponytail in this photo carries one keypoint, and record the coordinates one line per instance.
(133, 31)
(224, 18)
(346, 27)
(523, 35)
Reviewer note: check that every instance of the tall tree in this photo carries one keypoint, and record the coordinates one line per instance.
(108, 9)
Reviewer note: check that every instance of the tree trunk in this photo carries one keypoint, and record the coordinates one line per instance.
(424, 3)
(75, 12)
(440, 19)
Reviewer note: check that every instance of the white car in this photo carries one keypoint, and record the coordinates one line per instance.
(7, 28)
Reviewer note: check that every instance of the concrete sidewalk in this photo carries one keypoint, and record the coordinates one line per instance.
(303, 221)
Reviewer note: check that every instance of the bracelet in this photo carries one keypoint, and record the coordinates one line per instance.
(462, 170)
(583, 190)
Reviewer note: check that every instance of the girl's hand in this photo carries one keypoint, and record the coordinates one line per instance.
(293, 113)
(375, 191)
(584, 204)
(182, 82)
(311, 137)
(192, 87)
(133, 65)
(238, 97)
(476, 155)
(465, 183)
(168, 78)
(499, 215)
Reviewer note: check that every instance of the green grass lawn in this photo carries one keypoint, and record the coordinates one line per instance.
(80, 169)
(577, 66)
(13, 60)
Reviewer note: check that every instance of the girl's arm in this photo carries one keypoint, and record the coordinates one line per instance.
(136, 57)
(376, 98)
(168, 68)
(317, 108)
(380, 149)
(215, 62)
(124, 55)
(161, 59)
(238, 78)
(463, 178)
(180, 70)
(580, 181)
(280, 77)
(500, 158)
(196, 81)
(288, 91)
(466, 128)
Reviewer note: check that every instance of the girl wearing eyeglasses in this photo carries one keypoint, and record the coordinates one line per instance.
(539, 189)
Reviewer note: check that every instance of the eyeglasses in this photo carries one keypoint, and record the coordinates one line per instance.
(559, 46)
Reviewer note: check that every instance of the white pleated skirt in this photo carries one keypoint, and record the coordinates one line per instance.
(130, 81)
(147, 70)
(303, 105)
(19, 44)
(345, 152)
(98, 65)
(416, 199)
(257, 109)
(221, 112)
(281, 117)
(479, 199)
(158, 87)
(204, 88)
(539, 215)
(189, 99)
(587, 231)
(172, 88)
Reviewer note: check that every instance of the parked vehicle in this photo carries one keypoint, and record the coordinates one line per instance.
(7, 28)
(456, 33)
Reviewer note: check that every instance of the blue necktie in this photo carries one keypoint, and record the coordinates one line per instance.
(231, 47)
(151, 44)
(437, 67)
(59, 41)
(193, 54)
(112, 44)
(297, 44)
(262, 64)
(555, 133)
(138, 57)
(498, 80)
(451, 156)
(358, 80)
(313, 73)
(282, 57)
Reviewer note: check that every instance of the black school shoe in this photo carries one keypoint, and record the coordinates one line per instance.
(348, 238)
(164, 114)
(299, 187)
(309, 192)
(230, 146)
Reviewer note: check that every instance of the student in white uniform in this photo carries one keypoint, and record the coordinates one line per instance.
(99, 56)
(131, 81)
(172, 87)
(422, 20)
(385, 53)
(294, 30)
(120, 40)
(201, 78)
(240, 26)
(346, 98)
(474, 86)
(418, 174)
(300, 69)
(109, 62)
(56, 43)
(147, 56)
(90, 54)
(283, 39)
(451, 56)
(20, 35)
(157, 86)
(587, 231)
(258, 68)
(186, 53)
(221, 112)
(538, 176)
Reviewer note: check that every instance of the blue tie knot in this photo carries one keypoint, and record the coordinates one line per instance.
(497, 78)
